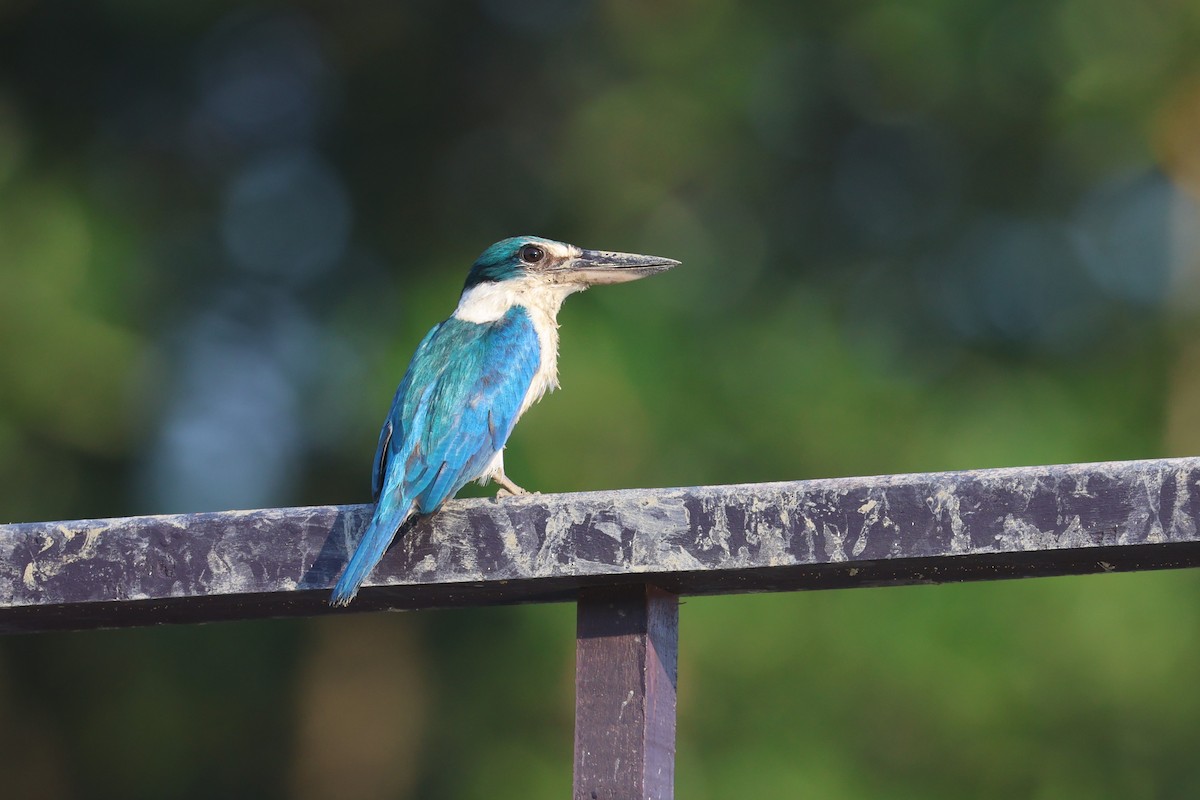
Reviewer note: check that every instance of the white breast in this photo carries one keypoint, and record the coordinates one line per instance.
(488, 302)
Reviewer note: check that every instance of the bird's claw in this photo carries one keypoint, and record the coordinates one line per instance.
(507, 487)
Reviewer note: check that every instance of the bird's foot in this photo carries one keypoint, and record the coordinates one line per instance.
(507, 487)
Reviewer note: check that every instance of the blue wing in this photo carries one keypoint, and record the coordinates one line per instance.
(382, 451)
(452, 413)
(457, 405)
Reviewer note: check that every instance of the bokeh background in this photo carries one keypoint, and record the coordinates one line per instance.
(917, 235)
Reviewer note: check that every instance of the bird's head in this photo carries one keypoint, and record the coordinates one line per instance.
(545, 261)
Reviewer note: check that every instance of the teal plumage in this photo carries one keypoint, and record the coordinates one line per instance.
(451, 415)
(471, 378)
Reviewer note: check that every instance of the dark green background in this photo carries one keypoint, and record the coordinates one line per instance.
(916, 236)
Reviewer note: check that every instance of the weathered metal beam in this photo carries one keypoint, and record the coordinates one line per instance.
(841, 532)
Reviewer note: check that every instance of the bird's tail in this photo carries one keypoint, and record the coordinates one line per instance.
(387, 519)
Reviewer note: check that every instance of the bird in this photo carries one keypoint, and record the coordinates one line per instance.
(470, 380)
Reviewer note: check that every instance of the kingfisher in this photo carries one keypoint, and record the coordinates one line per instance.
(471, 379)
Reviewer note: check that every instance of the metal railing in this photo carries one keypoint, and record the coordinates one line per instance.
(623, 556)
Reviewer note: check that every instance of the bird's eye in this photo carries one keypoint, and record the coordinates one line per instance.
(532, 254)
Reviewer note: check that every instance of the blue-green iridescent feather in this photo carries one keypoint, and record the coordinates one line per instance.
(499, 262)
(451, 415)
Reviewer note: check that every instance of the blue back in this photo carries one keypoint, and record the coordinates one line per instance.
(455, 408)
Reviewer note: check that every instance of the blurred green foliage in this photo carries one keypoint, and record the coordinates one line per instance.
(917, 236)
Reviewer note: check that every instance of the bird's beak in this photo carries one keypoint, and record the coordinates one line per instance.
(595, 267)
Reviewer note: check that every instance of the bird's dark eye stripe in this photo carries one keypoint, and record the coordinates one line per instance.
(531, 254)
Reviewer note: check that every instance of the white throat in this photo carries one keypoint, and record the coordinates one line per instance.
(490, 301)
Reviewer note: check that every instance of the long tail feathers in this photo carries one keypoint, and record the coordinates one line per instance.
(379, 534)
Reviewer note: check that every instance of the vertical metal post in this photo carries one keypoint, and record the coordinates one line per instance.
(626, 648)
